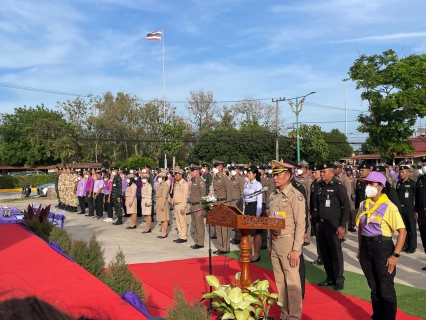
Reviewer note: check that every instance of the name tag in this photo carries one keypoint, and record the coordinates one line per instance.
(114, 185)
(327, 203)
(406, 195)
(407, 186)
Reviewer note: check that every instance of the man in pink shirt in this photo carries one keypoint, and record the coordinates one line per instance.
(89, 193)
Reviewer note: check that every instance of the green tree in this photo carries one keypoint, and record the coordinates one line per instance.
(338, 146)
(395, 89)
(313, 146)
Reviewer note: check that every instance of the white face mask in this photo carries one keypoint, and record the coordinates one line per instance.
(269, 171)
(128, 180)
(160, 179)
(86, 176)
(79, 178)
(203, 170)
(143, 170)
(233, 172)
(106, 179)
(299, 172)
(113, 173)
(247, 179)
(144, 180)
(130, 171)
(245, 172)
(215, 171)
(424, 169)
(371, 191)
(420, 171)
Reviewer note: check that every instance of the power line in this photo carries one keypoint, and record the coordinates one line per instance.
(15, 86)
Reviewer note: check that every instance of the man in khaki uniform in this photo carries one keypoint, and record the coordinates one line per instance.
(338, 173)
(266, 181)
(286, 245)
(352, 216)
(196, 192)
(305, 181)
(180, 197)
(237, 190)
(222, 191)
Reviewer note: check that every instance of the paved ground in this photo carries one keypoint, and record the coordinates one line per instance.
(139, 247)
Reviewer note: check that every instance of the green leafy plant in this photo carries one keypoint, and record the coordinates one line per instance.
(184, 310)
(62, 238)
(235, 304)
(120, 279)
(89, 255)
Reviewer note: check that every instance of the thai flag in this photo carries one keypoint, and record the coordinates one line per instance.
(154, 35)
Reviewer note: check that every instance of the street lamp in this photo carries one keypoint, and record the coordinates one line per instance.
(295, 108)
(346, 110)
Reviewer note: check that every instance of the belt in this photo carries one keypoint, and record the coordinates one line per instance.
(194, 203)
(176, 203)
(376, 238)
(402, 206)
(221, 199)
(251, 203)
(273, 236)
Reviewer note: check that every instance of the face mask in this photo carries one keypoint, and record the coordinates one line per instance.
(128, 180)
(113, 173)
(203, 170)
(79, 178)
(130, 171)
(269, 171)
(424, 169)
(143, 170)
(233, 172)
(144, 180)
(160, 179)
(215, 170)
(371, 192)
(245, 172)
(86, 176)
(299, 172)
(106, 179)
(420, 171)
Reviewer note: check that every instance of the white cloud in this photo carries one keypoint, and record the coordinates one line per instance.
(393, 36)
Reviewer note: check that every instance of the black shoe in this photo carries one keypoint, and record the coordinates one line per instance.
(235, 241)
(424, 268)
(257, 260)
(213, 237)
(99, 217)
(162, 237)
(197, 246)
(326, 283)
(352, 229)
(81, 213)
(134, 227)
(149, 231)
(338, 287)
(223, 252)
(318, 262)
(89, 215)
(410, 250)
(306, 244)
(216, 252)
(263, 247)
(118, 222)
(176, 240)
(181, 240)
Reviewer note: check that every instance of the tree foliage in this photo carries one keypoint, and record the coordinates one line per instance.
(394, 88)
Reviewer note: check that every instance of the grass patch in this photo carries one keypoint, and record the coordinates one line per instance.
(410, 299)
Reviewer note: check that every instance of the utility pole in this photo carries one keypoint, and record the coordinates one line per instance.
(346, 109)
(276, 127)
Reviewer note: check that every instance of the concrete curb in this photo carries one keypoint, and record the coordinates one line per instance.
(15, 190)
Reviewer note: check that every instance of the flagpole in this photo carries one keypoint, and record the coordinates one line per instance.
(164, 98)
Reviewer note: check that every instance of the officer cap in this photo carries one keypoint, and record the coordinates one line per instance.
(194, 167)
(338, 164)
(407, 161)
(327, 165)
(303, 164)
(363, 165)
(218, 162)
(348, 168)
(162, 173)
(260, 167)
(280, 166)
(233, 167)
(380, 168)
(148, 167)
(404, 167)
(253, 169)
(177, 164)
(205, 165)
(125, 172)
(179, 171)
(314, 167)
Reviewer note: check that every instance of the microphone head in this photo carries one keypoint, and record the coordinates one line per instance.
(265, 188)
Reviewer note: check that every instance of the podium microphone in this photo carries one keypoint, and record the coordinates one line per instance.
(257, 192)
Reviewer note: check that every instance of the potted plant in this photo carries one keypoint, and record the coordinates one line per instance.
(235, 304)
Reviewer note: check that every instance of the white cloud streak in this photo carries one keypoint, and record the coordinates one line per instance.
(385, 37)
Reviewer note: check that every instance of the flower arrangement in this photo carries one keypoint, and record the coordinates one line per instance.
(207, 201)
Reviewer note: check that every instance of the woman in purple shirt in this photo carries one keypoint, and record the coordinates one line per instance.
(81, 193)
(107, 197)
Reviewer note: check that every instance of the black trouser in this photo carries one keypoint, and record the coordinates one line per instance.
(82, 203)
(373, 259)
(90, 203)
(302, 272)
(99, 205)
(108, 206)
(314, 225)
(123, 204)
(139, 206)
(422, 227)
(410, 225)
(331, 250)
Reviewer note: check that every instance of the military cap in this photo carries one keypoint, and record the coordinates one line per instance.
(338, 164)
(114, 168)
(177, 164)
(218, 162)
(327, 165)
(98, 172)
(162, 173)
(233, 167)
(404, 167)
(194, 167)
(147, 166)
(125, 172)
(363, 165)
(303, 164)
(179, 171)
(380, 168)
(407, 161)
(205, 165)
(314, 167)
(280, 166)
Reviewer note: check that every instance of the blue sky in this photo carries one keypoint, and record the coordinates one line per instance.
(235, 48)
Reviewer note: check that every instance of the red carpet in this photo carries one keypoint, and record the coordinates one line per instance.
(30, 267)
(160, 279)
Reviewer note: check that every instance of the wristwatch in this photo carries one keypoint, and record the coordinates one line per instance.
(396, 255)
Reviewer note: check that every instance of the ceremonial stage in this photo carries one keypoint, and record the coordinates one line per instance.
(30, 267)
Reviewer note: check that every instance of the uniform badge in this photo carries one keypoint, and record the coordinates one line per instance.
(300, 197)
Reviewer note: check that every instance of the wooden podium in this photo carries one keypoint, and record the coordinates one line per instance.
(230, 216)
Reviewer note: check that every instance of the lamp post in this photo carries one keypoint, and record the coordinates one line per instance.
(346, 110)
(295, 108)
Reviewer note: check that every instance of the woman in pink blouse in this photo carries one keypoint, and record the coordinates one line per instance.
(81, 192)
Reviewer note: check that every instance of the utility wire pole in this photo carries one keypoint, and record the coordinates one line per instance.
(346, 109)
(276, 127)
